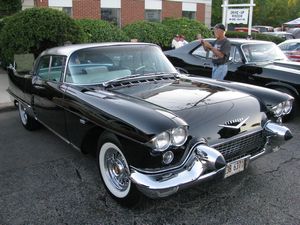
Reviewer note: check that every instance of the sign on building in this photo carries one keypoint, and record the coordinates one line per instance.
(237, 16)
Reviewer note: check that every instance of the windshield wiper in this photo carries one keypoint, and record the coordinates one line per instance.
(106, 83)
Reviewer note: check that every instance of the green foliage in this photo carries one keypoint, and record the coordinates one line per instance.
(188, 28)
(34, 30)
(151, 32)
(163, 33)
(100, 31)
(266, 12)
(9, 7)
(216, 14)
(255, 36)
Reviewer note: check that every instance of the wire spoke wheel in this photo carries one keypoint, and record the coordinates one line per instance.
(114, 170)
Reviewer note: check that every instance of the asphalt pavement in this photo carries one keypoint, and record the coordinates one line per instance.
(44, 181)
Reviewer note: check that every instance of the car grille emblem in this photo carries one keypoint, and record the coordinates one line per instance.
(234, 124)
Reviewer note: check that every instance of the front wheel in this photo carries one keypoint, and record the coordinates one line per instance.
(114, 171)
(27, 121)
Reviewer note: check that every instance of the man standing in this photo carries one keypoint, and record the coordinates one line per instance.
(221, 52)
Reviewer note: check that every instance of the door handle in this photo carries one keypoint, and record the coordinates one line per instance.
(39, 87)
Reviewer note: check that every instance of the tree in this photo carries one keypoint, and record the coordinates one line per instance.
(266, 12)
(9, 7)
(34, 30)
(100, 31)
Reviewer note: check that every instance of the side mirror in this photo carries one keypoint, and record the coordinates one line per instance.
(23, 63)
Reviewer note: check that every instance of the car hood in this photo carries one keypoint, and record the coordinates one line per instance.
(204, 107)
(181, 94)
(283, 71)
(283, 66)
(288, 64)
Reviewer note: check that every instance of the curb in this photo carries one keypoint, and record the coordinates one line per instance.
(7, 106)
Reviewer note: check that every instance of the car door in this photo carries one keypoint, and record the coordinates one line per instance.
(48, 93)
(237, 70)
(200, 62)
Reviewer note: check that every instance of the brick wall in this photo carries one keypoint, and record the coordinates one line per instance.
(171, 9)
(131, 11)
(86, 9)
(200, 14)
(41, 3)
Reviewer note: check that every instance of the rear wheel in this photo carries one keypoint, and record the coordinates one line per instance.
(114, 171)
(27, 121)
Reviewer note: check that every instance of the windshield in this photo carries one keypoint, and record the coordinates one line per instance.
(101, 64)
(262, 52)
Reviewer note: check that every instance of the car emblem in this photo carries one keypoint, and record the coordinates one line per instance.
(234, 124)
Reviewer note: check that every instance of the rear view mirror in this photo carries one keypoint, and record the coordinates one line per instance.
(23, 63)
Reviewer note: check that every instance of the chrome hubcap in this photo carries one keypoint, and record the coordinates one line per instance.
(116, 169)
(23, 114)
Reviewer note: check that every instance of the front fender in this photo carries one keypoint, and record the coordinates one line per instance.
(128, 117)
(285, 86)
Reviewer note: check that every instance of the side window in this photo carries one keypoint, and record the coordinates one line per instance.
(57, 68)
(201, 52)
(237, 58)
(43, 67)
(284, 47)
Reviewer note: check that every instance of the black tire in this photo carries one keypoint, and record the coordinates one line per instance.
(292, 114)
(27, 121)
(114, 171)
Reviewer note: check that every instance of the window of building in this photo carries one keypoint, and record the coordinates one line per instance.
(153, 15)
(67, 10)
(189, 10)
(189, 14)
(111, 15)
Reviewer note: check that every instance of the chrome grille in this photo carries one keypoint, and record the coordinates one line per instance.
(251, 144)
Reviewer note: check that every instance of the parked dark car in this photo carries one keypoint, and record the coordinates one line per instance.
(262, 28)
(291, 48)
(255, 62)
(245, 29)
(154, 131)
(282, 34)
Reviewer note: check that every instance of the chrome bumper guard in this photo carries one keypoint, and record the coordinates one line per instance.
(205, 163)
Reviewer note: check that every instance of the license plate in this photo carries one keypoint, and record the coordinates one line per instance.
(236, 166)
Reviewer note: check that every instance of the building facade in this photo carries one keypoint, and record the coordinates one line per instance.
(123, 12)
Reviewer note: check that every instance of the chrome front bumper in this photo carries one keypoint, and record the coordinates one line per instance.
(203, 164)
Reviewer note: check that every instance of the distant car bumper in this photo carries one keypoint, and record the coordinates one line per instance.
(203, 164)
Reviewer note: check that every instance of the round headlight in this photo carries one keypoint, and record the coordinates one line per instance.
(168, 157)
(287, 107)
(162, 141)
(278, 109)
(178, 136)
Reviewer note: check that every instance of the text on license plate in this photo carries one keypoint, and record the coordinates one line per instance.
(236, 166)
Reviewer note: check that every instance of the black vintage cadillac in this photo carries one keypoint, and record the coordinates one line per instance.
(154, 130)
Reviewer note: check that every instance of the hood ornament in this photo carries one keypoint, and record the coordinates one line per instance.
(234, 124)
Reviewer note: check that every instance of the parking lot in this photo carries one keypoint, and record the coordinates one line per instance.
(45, 181)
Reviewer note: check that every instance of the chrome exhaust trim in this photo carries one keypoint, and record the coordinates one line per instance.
(277, 134)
